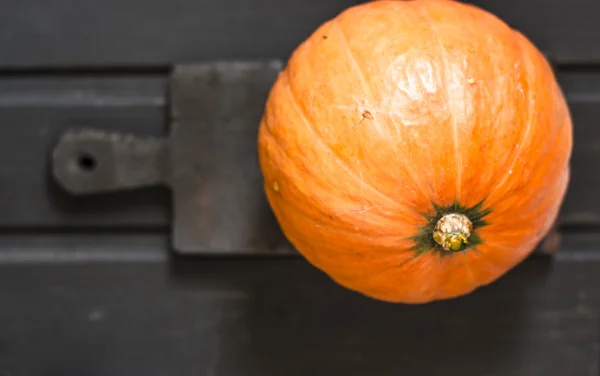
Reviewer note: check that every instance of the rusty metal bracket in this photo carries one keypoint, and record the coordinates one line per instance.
(209, 160)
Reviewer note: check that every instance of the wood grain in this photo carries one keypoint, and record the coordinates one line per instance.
(63, 34)
(87, 286)
(283, 317)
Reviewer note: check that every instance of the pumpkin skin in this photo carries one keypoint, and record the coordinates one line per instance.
(396, 113)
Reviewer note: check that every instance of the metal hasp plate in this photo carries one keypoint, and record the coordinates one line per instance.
(209, 160)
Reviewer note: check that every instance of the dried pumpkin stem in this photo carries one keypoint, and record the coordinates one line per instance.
(452, 231)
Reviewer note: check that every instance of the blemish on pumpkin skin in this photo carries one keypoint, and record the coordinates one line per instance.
(471, 81)
(276, 186)
(366, 115)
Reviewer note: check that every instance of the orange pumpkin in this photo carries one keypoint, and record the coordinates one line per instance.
(415, 150)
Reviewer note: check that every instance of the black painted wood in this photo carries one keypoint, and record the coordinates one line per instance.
(283, 317)
(88, 33)
(34, 111)
(131, 246)
(87, 287)
(583, 93)
(35, 33)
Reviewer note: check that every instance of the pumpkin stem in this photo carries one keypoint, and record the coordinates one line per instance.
(452, 231)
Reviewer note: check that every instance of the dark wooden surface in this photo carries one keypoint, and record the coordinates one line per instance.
(87, 286)
(117, 33)
(35, 110)
(91, 312)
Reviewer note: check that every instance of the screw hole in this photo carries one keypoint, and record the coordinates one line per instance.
(87, 162)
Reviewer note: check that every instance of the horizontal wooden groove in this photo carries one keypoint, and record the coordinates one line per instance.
(574, 227)
(119, 246)
(106, 230)
(164, 70)
(569, 229)
(21, 248)
(587, 67)
(85, 71)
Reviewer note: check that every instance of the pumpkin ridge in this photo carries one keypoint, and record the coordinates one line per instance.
(535, 203)
(352, 59)
(361, 76)
(319, 139)
(317, 219)
(527, 131)
(368, 92)
(542, 199)
(383, 270)
(549, 147)
(284, 151)
(449, 102)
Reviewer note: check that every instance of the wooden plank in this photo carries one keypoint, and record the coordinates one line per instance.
(34, 111)
(142, 247)
(119, 33)
(582, 204)
(283, 317)
(35, 33)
